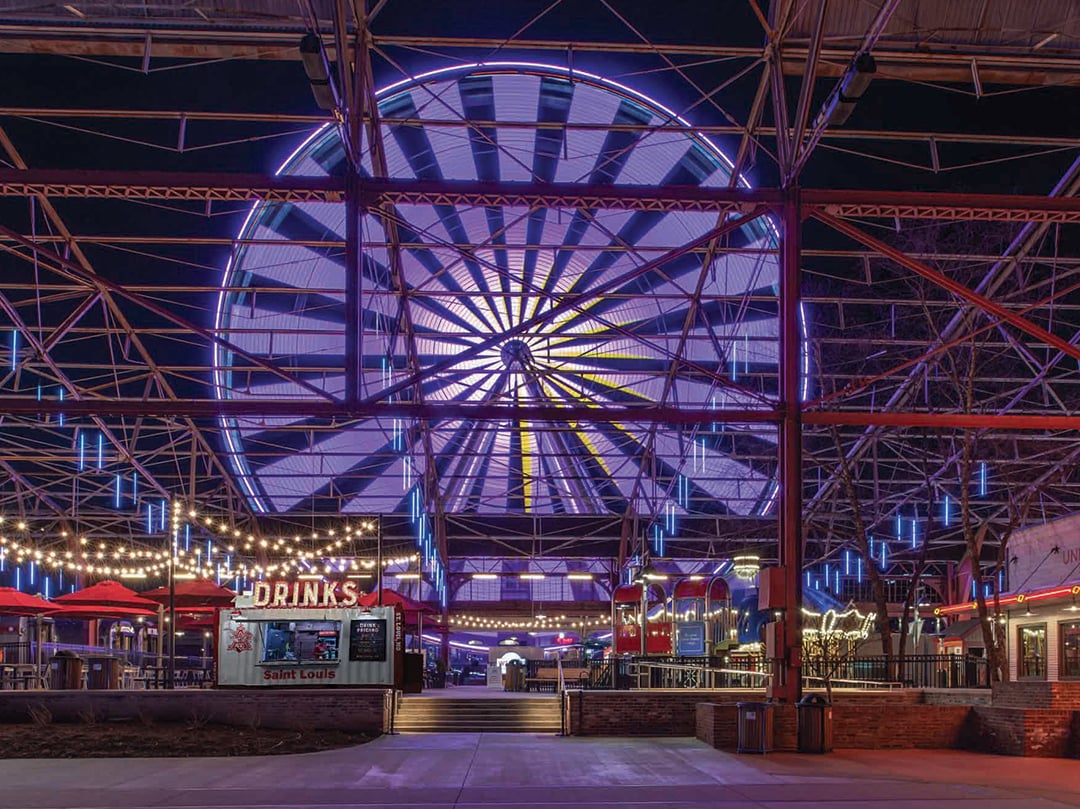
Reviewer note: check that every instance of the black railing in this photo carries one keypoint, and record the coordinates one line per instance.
(15, 653)
(914, 671)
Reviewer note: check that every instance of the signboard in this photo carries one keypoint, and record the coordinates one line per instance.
(367, 639)
(399, 647)
(1044, 555)
(313, 593)
(691, 638)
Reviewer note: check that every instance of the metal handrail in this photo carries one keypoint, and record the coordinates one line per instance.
(857, 683)
(692, 667)
(646, 668)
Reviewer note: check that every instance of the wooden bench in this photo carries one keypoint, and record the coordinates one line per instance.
(548, 678)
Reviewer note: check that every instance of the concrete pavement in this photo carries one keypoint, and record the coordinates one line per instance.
(510, 771)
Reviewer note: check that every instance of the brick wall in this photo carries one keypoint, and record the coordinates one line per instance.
(855, 725)
(887, 726)
(1029, 694)
(673, 713)
(1043, 732)
(957, 696)
(642, 713)
(339, 708)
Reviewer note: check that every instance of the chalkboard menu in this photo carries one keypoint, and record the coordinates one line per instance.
(367, 640)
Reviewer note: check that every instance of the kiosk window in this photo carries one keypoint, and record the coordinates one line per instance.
(300, 641)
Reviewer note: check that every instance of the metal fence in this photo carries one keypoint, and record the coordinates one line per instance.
(915, 671)
(15, 653)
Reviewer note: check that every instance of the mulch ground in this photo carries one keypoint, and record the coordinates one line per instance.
(134, 738)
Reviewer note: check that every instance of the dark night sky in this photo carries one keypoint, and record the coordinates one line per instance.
(280, 86)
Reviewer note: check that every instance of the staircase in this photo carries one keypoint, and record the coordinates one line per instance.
(478, 715)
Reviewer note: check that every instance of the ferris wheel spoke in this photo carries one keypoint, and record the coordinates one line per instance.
(469, 274)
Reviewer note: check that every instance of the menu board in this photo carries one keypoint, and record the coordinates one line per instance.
(367, 640)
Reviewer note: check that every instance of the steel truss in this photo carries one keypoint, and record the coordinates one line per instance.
(905, 293)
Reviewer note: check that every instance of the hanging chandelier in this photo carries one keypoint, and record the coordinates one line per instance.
(746, 567)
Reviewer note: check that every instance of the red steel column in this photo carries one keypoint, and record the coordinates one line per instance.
(353, 290)
(789, 672)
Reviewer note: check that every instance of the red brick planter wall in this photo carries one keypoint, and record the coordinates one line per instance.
(1043, 732)
(859, 725)
(641, 713)
(357, 709)
(1027, 694)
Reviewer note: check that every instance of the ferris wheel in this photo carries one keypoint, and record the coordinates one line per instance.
(442, 282)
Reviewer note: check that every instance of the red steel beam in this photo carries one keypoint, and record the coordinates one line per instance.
(941, 205)
(321, 409)
(113, 184)
(1003, 421)
(787, 671)
(76, 272)
(312, 408)
(950, 284)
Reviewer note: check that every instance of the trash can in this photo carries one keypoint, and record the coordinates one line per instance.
(102, 673)
(815, 724)
(755, 727)
(65, 670)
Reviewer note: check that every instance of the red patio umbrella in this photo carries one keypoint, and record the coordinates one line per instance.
(392, 598)
(106, 594)
(14, 602)
(193, 593)
(90, 612)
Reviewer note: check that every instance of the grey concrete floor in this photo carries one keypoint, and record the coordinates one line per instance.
(494, 771)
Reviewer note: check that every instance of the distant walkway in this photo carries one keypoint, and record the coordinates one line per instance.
(476, 771)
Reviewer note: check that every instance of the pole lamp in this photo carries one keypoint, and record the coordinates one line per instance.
(378, 558)
(170, 670)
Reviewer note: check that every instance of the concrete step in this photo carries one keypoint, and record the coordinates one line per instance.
(478, 715)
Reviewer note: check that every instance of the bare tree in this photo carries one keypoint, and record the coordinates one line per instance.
(862, 545)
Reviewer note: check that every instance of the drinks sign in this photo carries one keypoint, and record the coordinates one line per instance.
(284, 594)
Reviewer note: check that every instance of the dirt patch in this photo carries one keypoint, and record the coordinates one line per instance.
(133, 738)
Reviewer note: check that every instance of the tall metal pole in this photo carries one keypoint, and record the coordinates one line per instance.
(170, 672)
(789, 672)
(353, 306)
(378, 559)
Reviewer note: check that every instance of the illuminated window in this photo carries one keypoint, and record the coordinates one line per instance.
(1032, 661)
(300, 642)
(1069, 665)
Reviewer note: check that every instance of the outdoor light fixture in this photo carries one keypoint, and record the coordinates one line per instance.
(1027, 612)
(412, 576)
(485, 576)
(531, 576)
(579, 576)
(1073, 607)
(841, 101)
(746, 567)
(315, 65)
